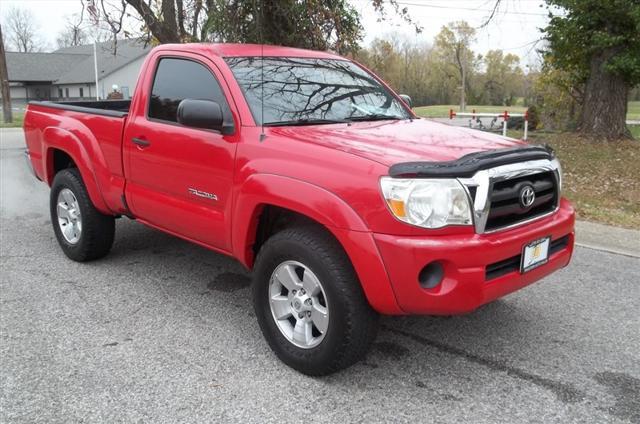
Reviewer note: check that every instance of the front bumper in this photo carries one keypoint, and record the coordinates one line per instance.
(468, 282)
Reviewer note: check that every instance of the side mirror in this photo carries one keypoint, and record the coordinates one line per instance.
(205, 114)
(407, 100)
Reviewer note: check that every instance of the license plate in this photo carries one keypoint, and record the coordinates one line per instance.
(535, 254)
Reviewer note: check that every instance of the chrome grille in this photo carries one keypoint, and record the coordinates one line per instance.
(495, 194)
(505, 206)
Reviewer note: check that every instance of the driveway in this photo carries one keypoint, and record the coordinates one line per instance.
(163, 331)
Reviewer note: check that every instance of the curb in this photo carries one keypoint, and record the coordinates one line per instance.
(608, 250)
(606, 238)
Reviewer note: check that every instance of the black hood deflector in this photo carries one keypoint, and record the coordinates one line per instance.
(468, 165)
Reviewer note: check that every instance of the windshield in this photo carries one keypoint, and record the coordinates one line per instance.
(300, 91)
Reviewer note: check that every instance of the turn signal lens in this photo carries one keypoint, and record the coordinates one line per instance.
(397, 207)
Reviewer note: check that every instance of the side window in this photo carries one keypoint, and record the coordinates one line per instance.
(179, 79)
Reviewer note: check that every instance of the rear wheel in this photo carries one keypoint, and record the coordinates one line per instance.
(83, 232)
(309, 302)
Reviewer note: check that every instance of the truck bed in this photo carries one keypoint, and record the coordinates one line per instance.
(116, 108)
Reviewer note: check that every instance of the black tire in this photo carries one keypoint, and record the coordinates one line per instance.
(352, 322)
(98, 230)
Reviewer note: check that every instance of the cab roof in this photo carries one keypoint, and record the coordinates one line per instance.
(237, 49)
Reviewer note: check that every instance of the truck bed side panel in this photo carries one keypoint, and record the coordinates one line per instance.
(93, 141)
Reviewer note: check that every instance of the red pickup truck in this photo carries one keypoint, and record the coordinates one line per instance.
(310, 171)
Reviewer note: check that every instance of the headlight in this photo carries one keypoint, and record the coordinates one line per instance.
(428, 203)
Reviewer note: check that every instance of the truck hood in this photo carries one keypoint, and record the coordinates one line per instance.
(391, 142)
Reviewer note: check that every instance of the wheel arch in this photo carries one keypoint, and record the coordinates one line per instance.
(62, 149)
(301, 200)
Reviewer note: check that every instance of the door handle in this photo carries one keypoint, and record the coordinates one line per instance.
(140, 142)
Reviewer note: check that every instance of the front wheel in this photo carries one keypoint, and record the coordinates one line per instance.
(309, 302)
(83, 232)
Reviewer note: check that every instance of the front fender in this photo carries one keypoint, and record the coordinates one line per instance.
(87, 157)
(324, 207)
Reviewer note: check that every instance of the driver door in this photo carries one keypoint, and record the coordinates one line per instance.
(179, 178)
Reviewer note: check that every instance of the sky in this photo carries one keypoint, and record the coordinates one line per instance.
(514, 29)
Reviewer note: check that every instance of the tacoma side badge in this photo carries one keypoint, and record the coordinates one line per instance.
(201, 193)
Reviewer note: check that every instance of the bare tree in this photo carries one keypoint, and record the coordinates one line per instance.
(74, 32)
(4, 84)
(168, 21)
(22, 30)
(182, 21)
(453, 44)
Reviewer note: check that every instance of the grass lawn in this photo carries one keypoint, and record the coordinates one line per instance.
(601, 179)
(633, 110)
(18, 117)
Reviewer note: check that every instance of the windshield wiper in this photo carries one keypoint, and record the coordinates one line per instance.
(376, 117)
(305, 121)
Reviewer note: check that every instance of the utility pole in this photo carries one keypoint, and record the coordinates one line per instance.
(95, 68)
(4, 82)
(95, 17)
(462, 89)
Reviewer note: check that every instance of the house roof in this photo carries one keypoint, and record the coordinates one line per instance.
(39, 67)
(73, 64)
(126, 51)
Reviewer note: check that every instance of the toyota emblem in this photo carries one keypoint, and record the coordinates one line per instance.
(527, 196)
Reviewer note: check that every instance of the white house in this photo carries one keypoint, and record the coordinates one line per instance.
(68, 73)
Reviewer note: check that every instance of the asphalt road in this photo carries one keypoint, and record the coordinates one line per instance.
(163, 331)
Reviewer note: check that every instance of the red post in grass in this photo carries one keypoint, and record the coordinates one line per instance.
(505, 116)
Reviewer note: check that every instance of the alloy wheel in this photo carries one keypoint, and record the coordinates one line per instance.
(69, 216)
(298, 304)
